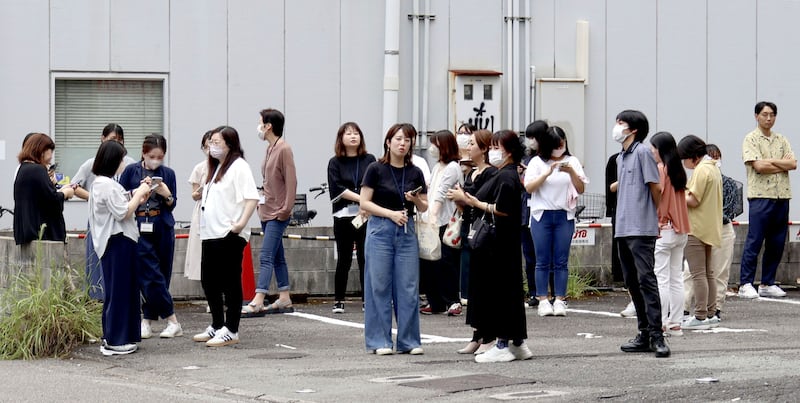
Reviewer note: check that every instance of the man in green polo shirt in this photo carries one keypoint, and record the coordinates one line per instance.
(768, 158)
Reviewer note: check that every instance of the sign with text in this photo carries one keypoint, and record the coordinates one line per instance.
(794, 233)
(583, 237)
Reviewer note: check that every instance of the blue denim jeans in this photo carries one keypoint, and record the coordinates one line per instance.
(272, 257)
(391, 281)
(552, 237)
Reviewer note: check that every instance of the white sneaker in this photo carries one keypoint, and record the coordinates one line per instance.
(173, 329)
(695, 324)
(496, 355)
(223, 337)
(107, 350)
(147, 331)
(522, 352)
(770, 291)
(629, 311)
(712, 322)
(207, 335)
(485, 347)
(747, 291)
(559, 308)
(416, 351)
(384, 351)
(545, 308)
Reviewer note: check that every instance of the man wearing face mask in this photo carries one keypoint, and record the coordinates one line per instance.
(638, 194)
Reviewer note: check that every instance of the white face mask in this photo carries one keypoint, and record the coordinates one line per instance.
(462, 140)
(433, 151)
(152, 164)
(496, 157)
(617, 133)
(262, 135)
(558, 152)
(215, 151)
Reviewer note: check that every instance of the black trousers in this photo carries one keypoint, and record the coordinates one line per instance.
(441, 277)
(221, 278)
(347, 235)
(637, 258)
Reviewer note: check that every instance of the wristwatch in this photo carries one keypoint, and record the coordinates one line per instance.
(170, 199)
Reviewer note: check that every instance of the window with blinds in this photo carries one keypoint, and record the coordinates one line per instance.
(84, 107)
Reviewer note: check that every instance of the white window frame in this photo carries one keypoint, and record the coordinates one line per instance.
(70, 75)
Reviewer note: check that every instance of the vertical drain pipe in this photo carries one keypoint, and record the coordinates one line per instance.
(391, 63)
(528, 75)
(509, 65)
(415, 65)
(426, 68)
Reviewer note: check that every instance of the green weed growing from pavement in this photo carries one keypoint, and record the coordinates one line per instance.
(578, 285)
(38, 319)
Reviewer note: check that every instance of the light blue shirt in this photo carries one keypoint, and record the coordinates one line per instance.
(636, 212)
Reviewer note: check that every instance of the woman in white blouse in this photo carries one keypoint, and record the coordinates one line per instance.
(229, 199)
(440, 278)
(115, 242)
(554, 179)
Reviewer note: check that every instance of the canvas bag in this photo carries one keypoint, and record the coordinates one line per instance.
(452, 232)
(430, 247)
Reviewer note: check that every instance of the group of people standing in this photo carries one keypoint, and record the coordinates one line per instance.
(523, 191)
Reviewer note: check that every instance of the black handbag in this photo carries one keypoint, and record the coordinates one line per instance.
(481, 232)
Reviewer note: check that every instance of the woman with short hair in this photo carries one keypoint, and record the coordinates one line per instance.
(37, 202)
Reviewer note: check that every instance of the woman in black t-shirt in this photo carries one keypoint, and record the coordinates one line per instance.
(345, 172)
(391, 191)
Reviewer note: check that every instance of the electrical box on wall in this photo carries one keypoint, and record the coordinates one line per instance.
(475, 97)
(561, 102)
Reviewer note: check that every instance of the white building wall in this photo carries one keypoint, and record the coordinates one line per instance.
(691, 66)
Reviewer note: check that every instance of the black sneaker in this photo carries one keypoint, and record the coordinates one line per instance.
(640, 344)
(532, 302)
(338, 307)
(659, 346)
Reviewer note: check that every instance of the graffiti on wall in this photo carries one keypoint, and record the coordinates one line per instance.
(480, 121)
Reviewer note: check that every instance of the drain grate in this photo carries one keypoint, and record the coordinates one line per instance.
(467, 382)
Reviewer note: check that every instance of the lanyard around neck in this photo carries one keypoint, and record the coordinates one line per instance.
(401, 185)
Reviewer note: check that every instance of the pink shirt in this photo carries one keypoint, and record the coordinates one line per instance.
(672, 210)
(280, 182)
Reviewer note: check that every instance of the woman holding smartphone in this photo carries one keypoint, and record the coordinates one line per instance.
(157, 234)
(554, 179)
(392, 191)
(111, 211)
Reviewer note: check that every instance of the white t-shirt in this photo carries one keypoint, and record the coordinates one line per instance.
(555, 192)
(224, 201)
(108, 205)
(420, 163)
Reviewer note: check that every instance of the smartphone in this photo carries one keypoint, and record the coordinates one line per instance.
(155, 181)
(563, 164)
(53, 167)
(358, 221)
(417, 190)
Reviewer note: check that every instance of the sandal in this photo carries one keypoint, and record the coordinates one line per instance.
(252, 309)
(279, 307)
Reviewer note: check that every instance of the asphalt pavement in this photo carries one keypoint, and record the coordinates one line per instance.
(313, 355)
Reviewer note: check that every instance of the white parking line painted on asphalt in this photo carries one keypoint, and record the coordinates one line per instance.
(781, 300)
(426, 338)
(728, 330)
(601, 313)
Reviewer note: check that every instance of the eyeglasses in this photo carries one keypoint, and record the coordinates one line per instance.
(215, 142)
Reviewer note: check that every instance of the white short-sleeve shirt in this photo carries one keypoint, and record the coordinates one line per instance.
(108, 206)
(554, 194)
(224, 201)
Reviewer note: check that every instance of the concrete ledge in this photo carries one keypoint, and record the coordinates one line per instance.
(312, 263)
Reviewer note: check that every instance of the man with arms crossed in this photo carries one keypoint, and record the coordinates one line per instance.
(768, 158)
